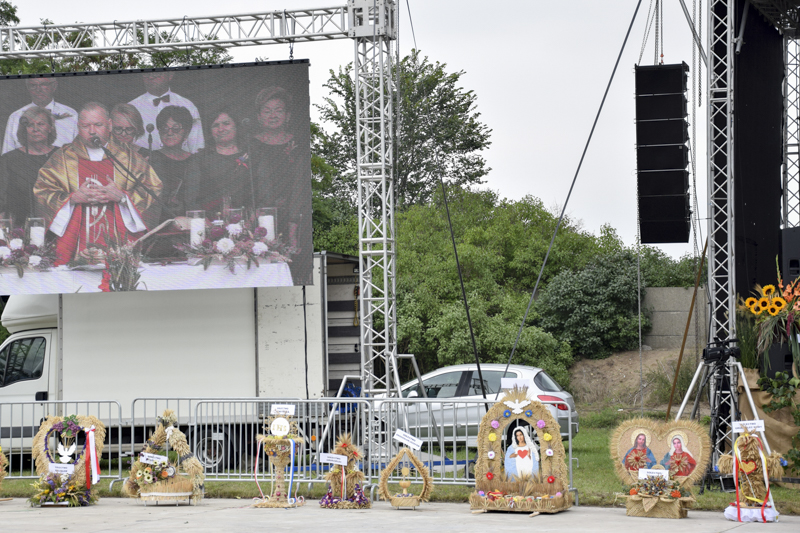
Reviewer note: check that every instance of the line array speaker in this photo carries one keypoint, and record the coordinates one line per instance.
(662, 154)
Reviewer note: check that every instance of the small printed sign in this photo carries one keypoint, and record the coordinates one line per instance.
(409, 440)
(282, 409)
(645, 473)
(152, 458)
(520, 383)
(56, 468)
(279, 427)
(749, 426)
(217, 436)
(333, 458)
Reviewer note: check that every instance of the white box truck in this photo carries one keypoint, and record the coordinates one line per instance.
(284, 342)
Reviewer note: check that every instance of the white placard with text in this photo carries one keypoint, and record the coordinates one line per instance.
(409, 440)
(749, 426)
(152, 458)
(282, 409)
(333, 458)
(280, 427)
(56, 468)
(645, 473)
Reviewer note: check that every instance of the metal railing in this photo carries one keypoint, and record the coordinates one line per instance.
(20, 421)
(222, 433)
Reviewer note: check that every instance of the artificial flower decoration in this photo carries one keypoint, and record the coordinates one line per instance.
(547, 436)
(558, 494)
(549, 452)
(507, 413)
(551, 479)
(495, 424)
(675, 494)
(489, 476)
(634, 492)
(490, 455)
(540, 424)
(529, 413)
(481, 493)
(492, 437)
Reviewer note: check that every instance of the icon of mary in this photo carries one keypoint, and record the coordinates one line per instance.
(522, 456)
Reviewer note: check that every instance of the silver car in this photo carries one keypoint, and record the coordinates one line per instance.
(451, 385)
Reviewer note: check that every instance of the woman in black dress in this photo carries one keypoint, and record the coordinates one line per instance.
(19, 168)
(225, 164)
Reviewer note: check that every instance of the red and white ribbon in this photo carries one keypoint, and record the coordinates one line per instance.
(92, 462)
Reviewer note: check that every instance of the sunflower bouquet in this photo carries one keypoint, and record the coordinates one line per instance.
(777, 314)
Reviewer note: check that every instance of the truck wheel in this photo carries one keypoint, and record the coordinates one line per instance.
(212, 448)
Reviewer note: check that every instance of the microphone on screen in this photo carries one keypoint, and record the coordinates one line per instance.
(96, 141)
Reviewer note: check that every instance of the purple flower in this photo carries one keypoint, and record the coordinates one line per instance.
(540, 424)
(260, 232)
(217, 233)
(495, 424)
(17, 233)
(207, 243)
(31, 249)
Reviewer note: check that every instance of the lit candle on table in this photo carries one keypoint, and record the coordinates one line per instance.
(197, 231)
(268, 223)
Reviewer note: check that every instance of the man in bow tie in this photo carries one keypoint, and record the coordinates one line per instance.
(42, 92)
(159, 96)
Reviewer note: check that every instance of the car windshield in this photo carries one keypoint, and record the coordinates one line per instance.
(441, 386)
(546, 383)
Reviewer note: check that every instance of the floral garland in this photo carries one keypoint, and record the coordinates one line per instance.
(61, 489)
(18, 252)
(240, 238)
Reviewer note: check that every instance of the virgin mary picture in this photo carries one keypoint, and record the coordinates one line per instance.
(679, 460)
(522, 456)
(639, 456)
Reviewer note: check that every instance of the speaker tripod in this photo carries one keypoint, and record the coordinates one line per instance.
(719, 372)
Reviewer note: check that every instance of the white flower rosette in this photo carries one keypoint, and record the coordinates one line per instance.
(5, 252)
(225, 245)
(260, 248)
(234, 230)
(16, 244)
(34, 260)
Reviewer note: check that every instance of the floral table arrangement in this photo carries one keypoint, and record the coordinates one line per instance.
(68, 477)
(153, 478)
(237, 240)
(18, 252)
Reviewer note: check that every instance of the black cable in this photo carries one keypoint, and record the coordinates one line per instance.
(572, 186)
(411, 22)
(463, 291)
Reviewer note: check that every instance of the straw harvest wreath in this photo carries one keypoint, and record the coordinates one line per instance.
(282, 444)
(545, 488)
(682, 448)
(69, 477)
(344, 482)
(154, 478)
(405, 499)
(752, 469)
(3, 465)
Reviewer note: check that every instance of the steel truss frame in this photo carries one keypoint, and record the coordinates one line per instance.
(721, 266)
(791, 133)
(372, 26)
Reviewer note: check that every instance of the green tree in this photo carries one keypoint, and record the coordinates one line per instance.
(595, 308)
(439, 131)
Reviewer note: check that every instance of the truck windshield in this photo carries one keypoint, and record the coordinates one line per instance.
(22, 360)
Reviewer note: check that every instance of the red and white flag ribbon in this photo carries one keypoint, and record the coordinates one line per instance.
(92, 462)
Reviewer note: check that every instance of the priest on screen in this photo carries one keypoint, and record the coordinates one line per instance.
(88, 198)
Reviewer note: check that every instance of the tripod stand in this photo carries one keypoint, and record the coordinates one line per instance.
(719, 371)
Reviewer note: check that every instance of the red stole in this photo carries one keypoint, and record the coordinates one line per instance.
(91, 224)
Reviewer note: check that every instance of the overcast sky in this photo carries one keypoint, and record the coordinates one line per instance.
(538, 68)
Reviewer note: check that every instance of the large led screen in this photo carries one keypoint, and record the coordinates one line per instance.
(156, 180)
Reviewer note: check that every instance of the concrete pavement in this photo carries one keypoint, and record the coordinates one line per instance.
(223, 515)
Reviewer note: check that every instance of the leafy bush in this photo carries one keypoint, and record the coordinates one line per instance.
(660, 270)
(595, 309)
(660, 380)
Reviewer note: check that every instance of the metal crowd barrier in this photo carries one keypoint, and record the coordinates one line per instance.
(222, 433)
(20, 421)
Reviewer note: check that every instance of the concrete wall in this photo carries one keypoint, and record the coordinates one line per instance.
(669, 308)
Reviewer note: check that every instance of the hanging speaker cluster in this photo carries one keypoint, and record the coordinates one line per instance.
(662, 153)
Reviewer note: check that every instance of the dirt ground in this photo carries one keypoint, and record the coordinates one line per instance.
(615, 381)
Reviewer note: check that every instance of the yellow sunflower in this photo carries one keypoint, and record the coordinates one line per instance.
(768, 290)
(779, 302)
(773, 310)
(763, 302)
(750, 302)
(756, 309)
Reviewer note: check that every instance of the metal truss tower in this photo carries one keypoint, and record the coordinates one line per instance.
(721, 266)
(372, 25)
(791, 134)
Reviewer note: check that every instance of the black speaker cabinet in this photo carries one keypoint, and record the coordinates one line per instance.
(790, 267)
(662, 157)
(661, 79)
